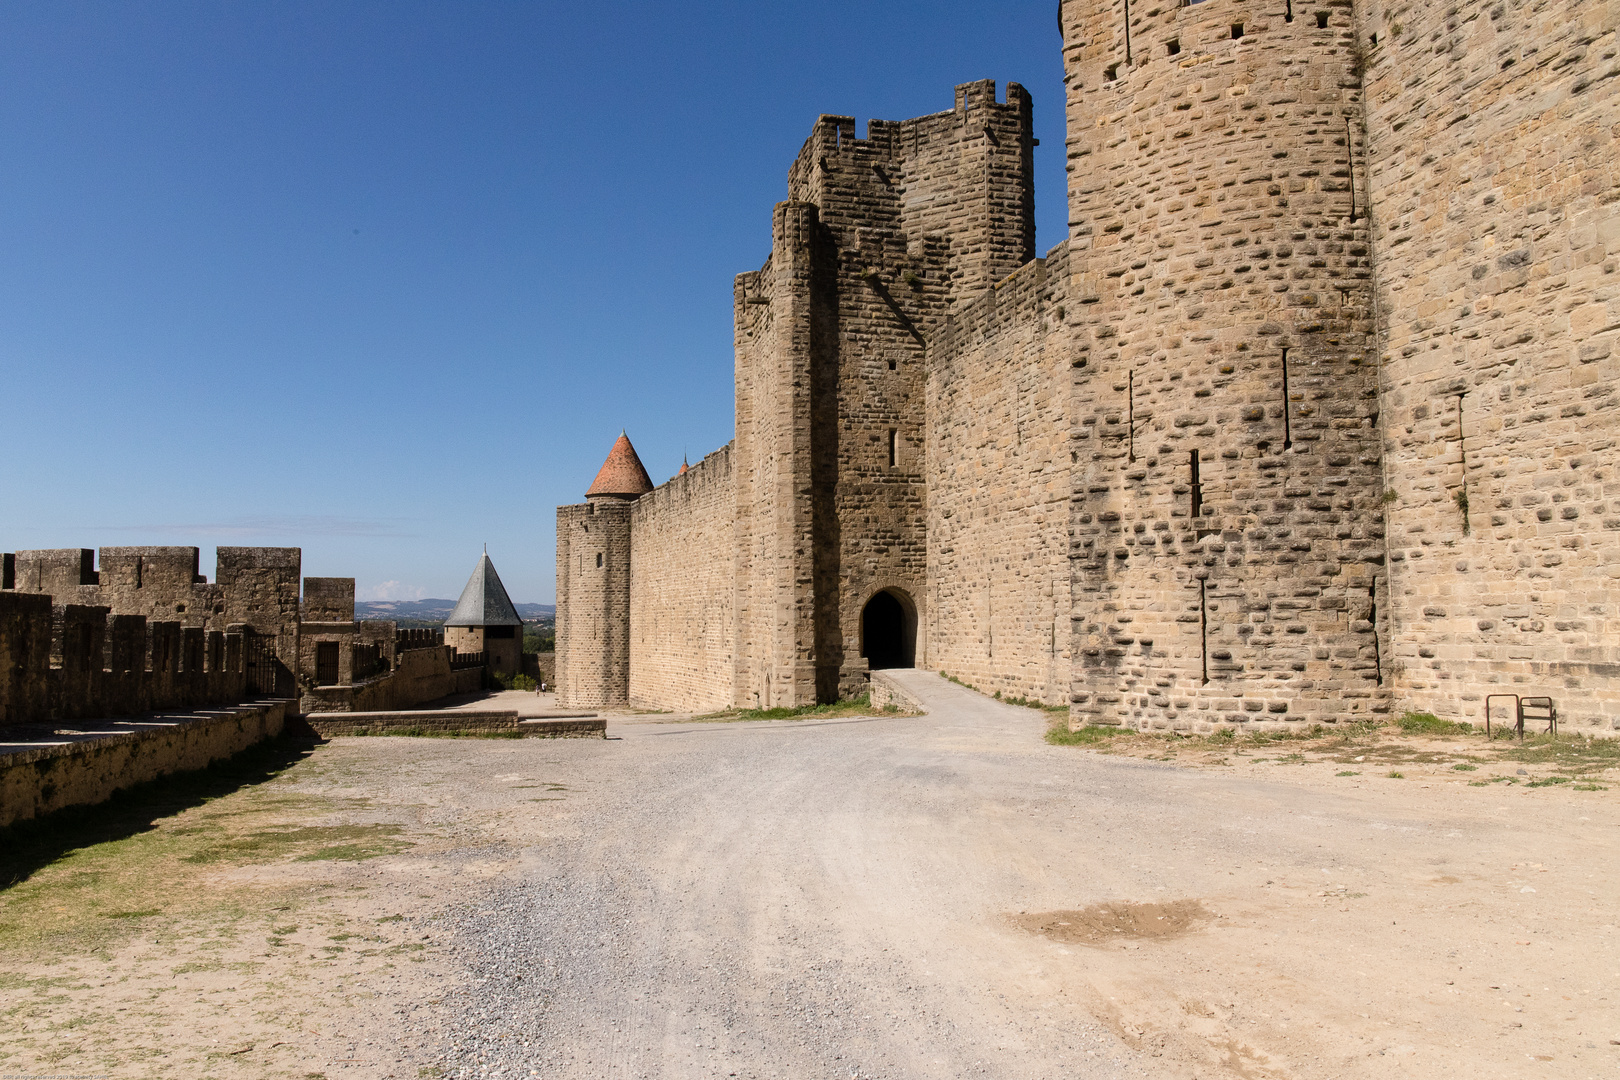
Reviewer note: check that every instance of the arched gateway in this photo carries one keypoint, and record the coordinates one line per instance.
(889, 630)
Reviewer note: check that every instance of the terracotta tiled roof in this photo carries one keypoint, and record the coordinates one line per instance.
(683, 468)
(622, 473)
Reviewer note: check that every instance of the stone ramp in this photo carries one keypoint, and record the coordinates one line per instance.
(930, 692)
(893, 686)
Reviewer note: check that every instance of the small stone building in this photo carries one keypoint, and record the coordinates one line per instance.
(485, 621)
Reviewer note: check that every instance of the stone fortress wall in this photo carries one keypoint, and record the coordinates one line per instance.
(1227, 513)
(998, 487)
(681, 590)
(1334, 271)
(1494, 178)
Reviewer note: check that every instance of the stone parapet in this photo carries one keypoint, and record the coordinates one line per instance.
(50, 768)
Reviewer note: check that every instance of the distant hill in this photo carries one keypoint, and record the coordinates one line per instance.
(438, 610)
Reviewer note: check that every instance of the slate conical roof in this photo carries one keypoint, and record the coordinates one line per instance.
(484, 601)
(622, 476)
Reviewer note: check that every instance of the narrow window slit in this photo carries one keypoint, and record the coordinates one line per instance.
(1462, 458)
(598, 560)
(1173, 47)
(1127, 31)
(1350, 166)
(1130, 415)
(1288, 434)
(1321, 20)
(1237, 30)
(1288, 12)
(894, 447)
(1197, 492)
(1372, 617)
(1203, 629)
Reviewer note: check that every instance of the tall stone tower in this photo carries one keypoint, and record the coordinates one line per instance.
(879, 240)
(593, 585)
(1227, 525)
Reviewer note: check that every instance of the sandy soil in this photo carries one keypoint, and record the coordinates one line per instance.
(934, 896)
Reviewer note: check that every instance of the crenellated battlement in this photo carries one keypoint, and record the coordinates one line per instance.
(80, 661)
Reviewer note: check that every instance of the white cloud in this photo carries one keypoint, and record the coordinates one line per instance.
(392, 590)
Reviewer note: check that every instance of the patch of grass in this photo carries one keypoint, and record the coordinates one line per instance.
(1423, 723)
(1031, 703)
(348, 843)
(1091, 735)
(1347, 772)
(83, 880)
(1393, 775)
(1465, 768)
(1589, 787)
(861, 706)
(1550, 781)
(1576, 755)
(1263, 736)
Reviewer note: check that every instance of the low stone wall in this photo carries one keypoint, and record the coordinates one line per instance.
(453, 722)
(86, 764)
(885, 692)
(421, 675)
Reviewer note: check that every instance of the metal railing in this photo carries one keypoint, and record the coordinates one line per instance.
(1534, 709)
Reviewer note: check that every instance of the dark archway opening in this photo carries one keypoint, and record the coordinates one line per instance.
(888, 633)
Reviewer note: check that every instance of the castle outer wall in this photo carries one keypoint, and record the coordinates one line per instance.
(682, 584)
(1494, 178)
(1308, 420)
(998, 487)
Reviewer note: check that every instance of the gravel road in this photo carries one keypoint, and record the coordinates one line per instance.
(844, 899)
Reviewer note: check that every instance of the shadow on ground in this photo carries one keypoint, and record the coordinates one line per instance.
(28, 846)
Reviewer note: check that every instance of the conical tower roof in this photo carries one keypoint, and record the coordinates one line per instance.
(622, 475)
(484, 601)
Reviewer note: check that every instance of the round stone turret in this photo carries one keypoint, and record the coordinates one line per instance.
(1228, 534)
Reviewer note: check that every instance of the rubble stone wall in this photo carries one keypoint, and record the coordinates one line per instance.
(1227, 515)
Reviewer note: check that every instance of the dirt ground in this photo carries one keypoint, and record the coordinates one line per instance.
(944, 895)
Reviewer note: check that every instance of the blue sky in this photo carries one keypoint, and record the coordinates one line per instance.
(384, 281)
